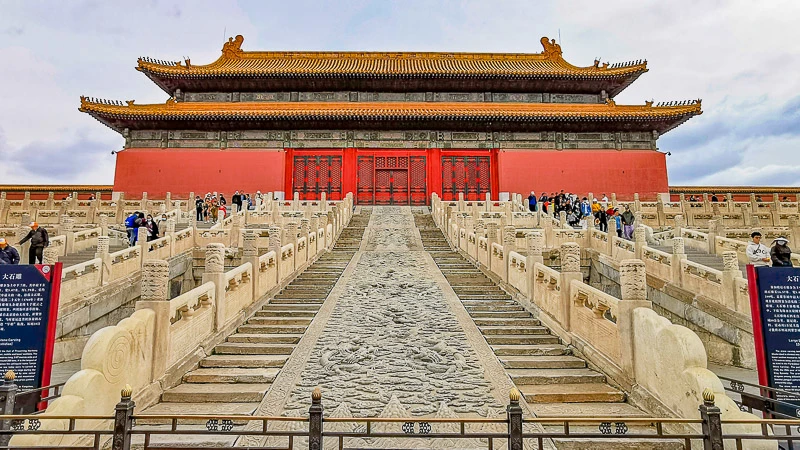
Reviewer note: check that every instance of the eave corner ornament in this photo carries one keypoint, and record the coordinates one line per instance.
(551, 49)
(233, 48)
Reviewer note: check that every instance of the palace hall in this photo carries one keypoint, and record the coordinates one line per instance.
(391, 127)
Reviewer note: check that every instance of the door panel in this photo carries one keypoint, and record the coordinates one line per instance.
(465, 174)
(315, 174)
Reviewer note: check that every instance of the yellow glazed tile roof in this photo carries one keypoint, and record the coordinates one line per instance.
(236, 62)
(385, 110)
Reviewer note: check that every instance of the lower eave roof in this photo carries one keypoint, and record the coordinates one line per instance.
(117, 115)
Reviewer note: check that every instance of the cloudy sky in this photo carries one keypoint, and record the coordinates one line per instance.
(741, 57)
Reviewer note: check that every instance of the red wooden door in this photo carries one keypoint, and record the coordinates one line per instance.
(315, 174)
(465, 174)
(392, 178)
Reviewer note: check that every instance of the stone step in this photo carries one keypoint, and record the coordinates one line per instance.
(516, 323)
(484, 296)
(279, 321)
(531, 350)
(585, 409)
(488, 303)
(290, 300)
(549, 376)
(511, 307)
(271, 329)
(264, 338)
(517, 339)
(231, 375)
(244, 361)
(489, 331)
(301, 295)
(499, 314)
(215, 392)
(571, 393)
(612, 443)
(290, 307)
(542, 362)
(241, 348)
(284, 313)
(198, 409)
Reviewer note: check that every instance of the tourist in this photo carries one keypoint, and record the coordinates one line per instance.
(130, 223)
(758, 199)
(222, 212)
(604, 202)
(543, 202)
(781, 254)
(714, 198)
(39, 240)
(596, 208)
(198, 206)
(617, 221)
(8, 254)
(162, 225)
(628, 220)
(236, 199)
(602, 220)
(572, 219)
(532, 202)
(152, 228)
(249, 201)
(757, 253)
(586, 209)
(222, 200)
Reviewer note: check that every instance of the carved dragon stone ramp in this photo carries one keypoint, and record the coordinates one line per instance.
(391, 340)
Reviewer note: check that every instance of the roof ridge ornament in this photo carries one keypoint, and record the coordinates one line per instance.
(551, 49)
(233, 48)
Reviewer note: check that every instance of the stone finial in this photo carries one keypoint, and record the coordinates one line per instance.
(793, 221)
(250, 244)
(296, 199)
(570, 257)
(50, 255)
(215, 258)
(9, 376)
(639, 234)
(170, 228)
(632, 277)
(162, 208)
(678, 246)
(331, 217)
(313, 223)
(291, 232)
(638, 217)
(155, 279)
(535, 242)
(102, 244)
(275, 242)
(680, 222)
(756, 221)
(491, 231)
(25, 219)
(562, 217)
(730, 261)
(509, 235)
(103, 221)
(68, 226)
(480, 228)
(304, 227)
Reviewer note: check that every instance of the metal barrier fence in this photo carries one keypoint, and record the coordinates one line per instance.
(772, 402)
(119, 431)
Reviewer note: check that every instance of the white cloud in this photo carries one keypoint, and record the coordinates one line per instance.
(739, 56)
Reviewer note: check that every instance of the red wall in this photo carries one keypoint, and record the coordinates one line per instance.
(583, 171)
(185, 170)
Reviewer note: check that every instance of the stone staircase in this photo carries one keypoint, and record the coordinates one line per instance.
(704, 258)
(82, 256)
(554, 382)
(236, 376)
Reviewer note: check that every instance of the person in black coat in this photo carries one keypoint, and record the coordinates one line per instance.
(8, 254)
(780, 253)
(39, 240)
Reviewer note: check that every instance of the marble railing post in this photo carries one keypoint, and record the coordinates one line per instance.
(680, 224)
(155, 296)
(633, 283)
(661, 217)
(168, 200)
(275, 244)
(121, 207)
(637, 205)
(706, 203)
(678, 254)
(730, 272)
(169, 233)
(215, 272)
(102, 253)
(562, 218)
(74, 200)
(612, 234)
(755, 222)
(715, 210)
(236, 227)
(68, 230)
(103, 222)
(480, 229)
(639, 241)
(491, 235)
(775, 211)
(488, 200)
(753, 202)
(250, 254)
(190, 204)
(509, 239)
(49, 255)
(143, 203)
(332, 222)
(747, 217)
(794, 231)
(614, 200)
(26, 200)
(570, 270)
(51, 200)
(323, 202)
(729, 201)
(534, 241)
(461, 205)
(141, 241)
(713, 232)
(22, 230)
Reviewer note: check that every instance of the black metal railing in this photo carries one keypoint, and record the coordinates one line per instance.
(35, 401)
(256, 432)
(772, 402)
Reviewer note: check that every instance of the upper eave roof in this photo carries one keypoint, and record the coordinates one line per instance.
(236, 63)
(113, 113)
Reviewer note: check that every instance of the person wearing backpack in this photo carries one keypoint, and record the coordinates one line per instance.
(130, 223)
